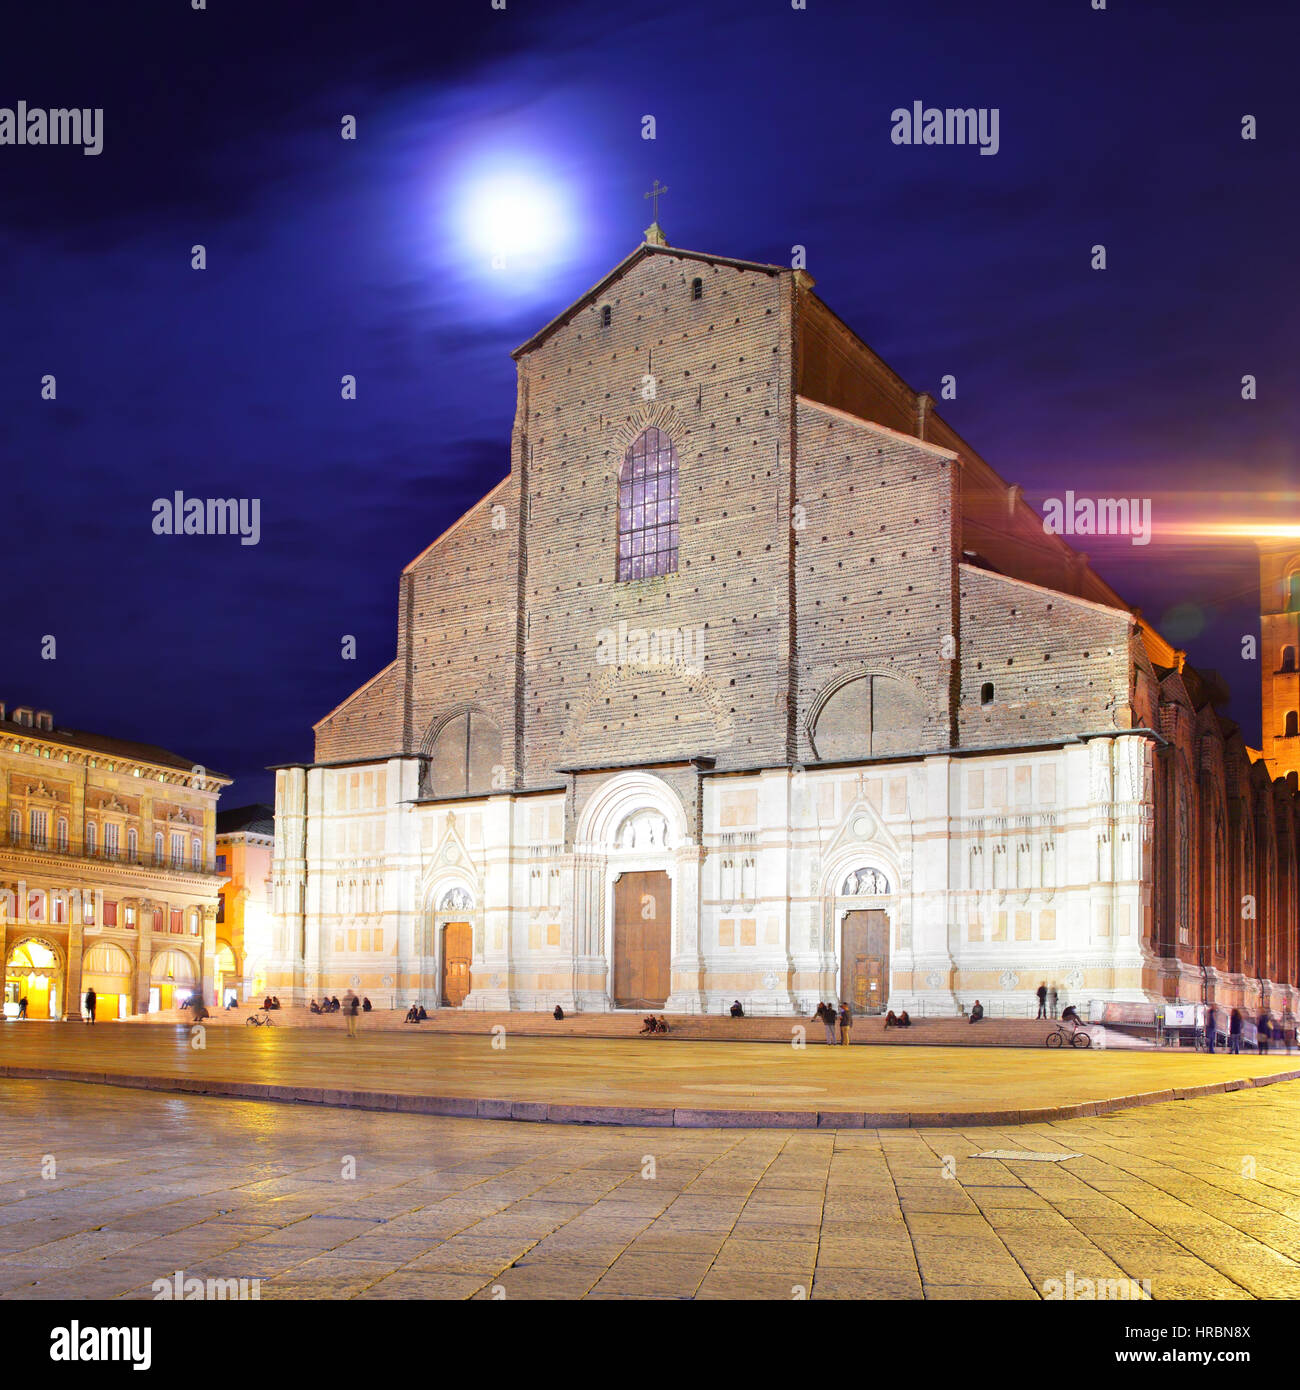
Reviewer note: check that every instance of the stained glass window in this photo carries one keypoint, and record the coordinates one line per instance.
(647, 508)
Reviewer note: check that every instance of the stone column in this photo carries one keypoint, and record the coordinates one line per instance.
(143, 966)
(587, 909)
(688, 991)
(208, 979)
(72, 990)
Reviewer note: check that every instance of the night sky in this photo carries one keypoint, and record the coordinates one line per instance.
(327, 257)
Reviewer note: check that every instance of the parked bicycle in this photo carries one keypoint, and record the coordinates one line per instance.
(1061, 1037)
(262, 1020)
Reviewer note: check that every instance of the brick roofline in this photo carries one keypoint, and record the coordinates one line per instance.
(647, 248)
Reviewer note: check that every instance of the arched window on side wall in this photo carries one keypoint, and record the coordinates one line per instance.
(1292, 726)
(647, 507)
(1288, 659)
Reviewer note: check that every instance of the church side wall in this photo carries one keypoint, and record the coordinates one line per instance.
(1057, 666)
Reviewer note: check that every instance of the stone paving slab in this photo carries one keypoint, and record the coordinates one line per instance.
(633, 1082)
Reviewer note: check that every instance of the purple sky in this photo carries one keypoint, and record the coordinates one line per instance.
(329, 257)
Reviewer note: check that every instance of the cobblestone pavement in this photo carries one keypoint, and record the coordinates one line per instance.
(1201, 1198)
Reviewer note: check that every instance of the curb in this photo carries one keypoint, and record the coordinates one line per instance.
(542, 1112)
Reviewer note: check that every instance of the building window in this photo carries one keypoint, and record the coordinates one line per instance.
(221, 863)
(1288, 658)
(178, 851)
(90, 837)
(195, 928)
(128, 916)
(132, 843)
(697, 289)
(986, 693)
(38, 823)
(221, 908)
(110, 840)
(62, 832)
(1293, 593)
(647, 508)
(1292, 726)
(158, 848)
(606, 315)
(196, 854)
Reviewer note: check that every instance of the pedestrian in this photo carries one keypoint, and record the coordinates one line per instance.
(22, 1007)
(352, 1007)
(1051, 1001)
(90, 1006)
(1042, 1000)
(976, 1013)
(1264, 1031)
(1234, 1031)
(827, 1016)
(1211, 1029)
(846, 1022)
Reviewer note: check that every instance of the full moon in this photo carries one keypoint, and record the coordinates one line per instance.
(512, 217)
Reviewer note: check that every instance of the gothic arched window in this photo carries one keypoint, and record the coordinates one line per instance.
(647, 507)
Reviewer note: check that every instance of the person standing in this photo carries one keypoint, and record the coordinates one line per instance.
(1211, 1029)
(1051, 1001)
(1042, 1000)
(827, 1015)
(1234, 1031)
(90, 1006)
(22, 1007)
(352, 1007)
(1263, 1030)
(846, 1023)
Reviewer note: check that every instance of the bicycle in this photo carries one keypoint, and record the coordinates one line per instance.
(1058, 1037)
(259, 1021)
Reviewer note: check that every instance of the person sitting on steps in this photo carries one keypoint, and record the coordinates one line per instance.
(976, 1013)
(904, 1021)
(737, 1009)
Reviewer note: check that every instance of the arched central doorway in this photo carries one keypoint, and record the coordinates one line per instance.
(33, 972)
(643, 933)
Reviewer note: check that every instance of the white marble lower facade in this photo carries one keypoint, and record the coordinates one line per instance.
(997, 871)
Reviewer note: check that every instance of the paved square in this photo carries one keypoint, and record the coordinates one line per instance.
(1201, 1198)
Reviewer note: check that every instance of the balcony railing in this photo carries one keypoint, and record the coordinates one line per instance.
(139, 858)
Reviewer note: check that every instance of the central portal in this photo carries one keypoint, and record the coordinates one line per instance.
(642, 940)
(864, 961)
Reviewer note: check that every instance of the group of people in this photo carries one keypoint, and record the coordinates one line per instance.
(651, 1024)
(1267, 1029)
(272, 1001)
(893, 1020)
(829, 1017)
(416, 1014)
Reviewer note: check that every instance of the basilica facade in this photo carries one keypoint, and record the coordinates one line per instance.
(752, 679)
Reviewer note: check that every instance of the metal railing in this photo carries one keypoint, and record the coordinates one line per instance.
(137, 858)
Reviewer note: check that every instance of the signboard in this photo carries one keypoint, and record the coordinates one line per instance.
(1182, 1015)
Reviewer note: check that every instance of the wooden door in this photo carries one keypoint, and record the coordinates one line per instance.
(864, 961)
(642, 940)
(457, 941)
